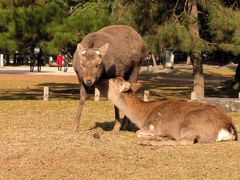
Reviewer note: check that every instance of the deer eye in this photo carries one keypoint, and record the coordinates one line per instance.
(98, 53)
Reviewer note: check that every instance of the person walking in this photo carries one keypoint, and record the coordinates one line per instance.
(65, 63)
(59, 62)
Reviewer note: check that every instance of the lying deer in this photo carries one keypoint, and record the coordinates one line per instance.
(180, 122)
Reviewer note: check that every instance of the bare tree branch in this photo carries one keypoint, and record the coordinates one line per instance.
(74, 8)
(174, 9)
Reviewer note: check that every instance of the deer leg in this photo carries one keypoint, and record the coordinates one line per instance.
(183, 141)
(154, 138)
(118, 121)
(83, 96)
(149, 134)
(187, 136)
(148, 137)
(134, 75)
(127, 124)
(145, 133)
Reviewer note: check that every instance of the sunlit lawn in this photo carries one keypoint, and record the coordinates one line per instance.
(36, 141)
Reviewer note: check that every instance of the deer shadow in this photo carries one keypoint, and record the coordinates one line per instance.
(105, 126)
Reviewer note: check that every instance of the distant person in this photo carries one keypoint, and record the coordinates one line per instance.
(59, 62)
(32, 60)
(65, 63)
(39, 60)
(15, 57)
(7, 59)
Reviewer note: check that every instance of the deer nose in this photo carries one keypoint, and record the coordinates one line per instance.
(88, 82)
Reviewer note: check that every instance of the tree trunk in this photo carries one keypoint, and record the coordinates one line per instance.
(198, 78)
(154, 61)
(196, 52)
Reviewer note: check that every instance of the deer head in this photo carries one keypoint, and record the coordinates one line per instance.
(90, 64)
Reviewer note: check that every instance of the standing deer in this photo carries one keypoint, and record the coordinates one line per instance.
(180, 121)
(116, 50)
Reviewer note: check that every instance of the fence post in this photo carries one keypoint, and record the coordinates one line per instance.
(45, 93)
(146, 96)
(193, 96)
(97, 95)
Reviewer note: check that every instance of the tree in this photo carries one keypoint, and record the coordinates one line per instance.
(24, 23)
(7, 27)
(191, 26)
(33, 20)
(210, 25)
(84, 17)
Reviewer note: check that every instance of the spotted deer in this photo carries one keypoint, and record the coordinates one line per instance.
(169, 122)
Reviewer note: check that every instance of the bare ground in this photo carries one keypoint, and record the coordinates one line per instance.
(36, 141)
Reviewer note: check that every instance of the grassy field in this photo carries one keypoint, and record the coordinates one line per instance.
(36, 141)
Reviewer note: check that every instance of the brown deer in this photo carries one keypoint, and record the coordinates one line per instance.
(180, 122)
(113, 51)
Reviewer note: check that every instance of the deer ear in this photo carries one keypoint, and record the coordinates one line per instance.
(103, 49)
(136, 86)
(81, 50)
(125, 86)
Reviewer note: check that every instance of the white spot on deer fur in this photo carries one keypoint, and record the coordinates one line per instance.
(224, 135)
(139, 134)
(159, 114)
(151, 127)
(142, 133)
(98, 52)
(83, 52)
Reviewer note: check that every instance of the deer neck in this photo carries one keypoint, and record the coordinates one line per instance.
(135, 109)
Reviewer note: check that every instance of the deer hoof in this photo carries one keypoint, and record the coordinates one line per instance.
(75, 128)
(116, 128)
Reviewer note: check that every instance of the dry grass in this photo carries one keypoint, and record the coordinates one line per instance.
(36, 141)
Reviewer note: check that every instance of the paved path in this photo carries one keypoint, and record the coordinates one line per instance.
(54, 71)
(49, 70)
(45, 71)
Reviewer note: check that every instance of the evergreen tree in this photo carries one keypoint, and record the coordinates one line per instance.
(7, 27)
(32, 21)
(24, 23)
(191, 26)
(83, 18)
